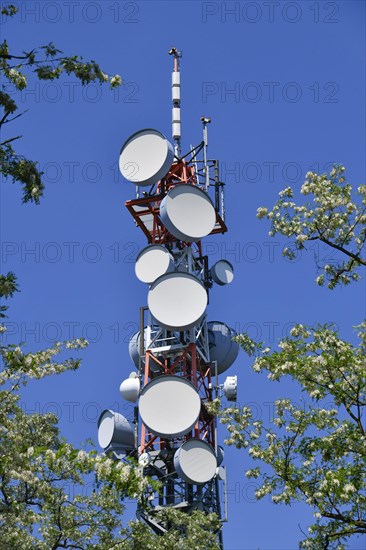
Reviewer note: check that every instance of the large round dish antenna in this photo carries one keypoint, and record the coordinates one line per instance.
(222, 348)
(195, 462)
(114, 429)
(222, 272)
(169, 406)
(188, 213)
(152, 262)
(177, 301)
(146, 157)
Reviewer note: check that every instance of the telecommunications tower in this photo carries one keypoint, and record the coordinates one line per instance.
(179, 355)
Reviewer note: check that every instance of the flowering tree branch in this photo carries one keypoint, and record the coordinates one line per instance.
(315, 450)
(334, 217)
(45, 63)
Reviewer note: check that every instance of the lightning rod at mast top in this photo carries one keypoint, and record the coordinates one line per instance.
(176, 124)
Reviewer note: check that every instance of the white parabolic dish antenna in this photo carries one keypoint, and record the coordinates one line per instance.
(152, 262)
(146, 157)
(169, 406)
(195, 461)
(222, 272)
(188, 213)
(114, 429)
(177, 301)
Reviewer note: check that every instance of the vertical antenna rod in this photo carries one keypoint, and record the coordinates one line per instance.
(176, 128)
(205, 121)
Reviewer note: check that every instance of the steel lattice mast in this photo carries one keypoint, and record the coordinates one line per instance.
(178, 353)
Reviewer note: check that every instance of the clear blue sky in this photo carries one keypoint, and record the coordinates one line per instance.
(284, 83)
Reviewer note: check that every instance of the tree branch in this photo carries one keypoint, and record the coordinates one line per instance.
(345, 519)
(14, 118)
(10, 140)
(355, 257)
(7, 113)
(354, 225)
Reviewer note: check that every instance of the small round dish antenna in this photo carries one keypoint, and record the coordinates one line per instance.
(222, 348)
(169, 406)
(114, 429)
(188, 213)
(152, 262)
(195, 462)
(221, 473)
(222, 272)
(146, 157)
(177, 301)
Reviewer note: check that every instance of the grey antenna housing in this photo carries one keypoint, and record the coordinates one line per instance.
(222, 272)
(114, 429)
(223, 349)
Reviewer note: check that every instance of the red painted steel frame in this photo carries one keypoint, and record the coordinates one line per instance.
(187, 365)
(180, 172)
(146, 213)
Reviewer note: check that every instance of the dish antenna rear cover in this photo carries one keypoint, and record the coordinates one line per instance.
(223, 350)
